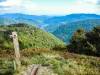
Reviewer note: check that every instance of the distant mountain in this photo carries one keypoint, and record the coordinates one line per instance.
(23, 18)
(48, 23)
(55, 22)
(65, 31)
(6, 21)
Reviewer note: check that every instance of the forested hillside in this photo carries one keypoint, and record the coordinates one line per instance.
(65, 31)
(29, 37)
(7, 21)
(56, 21)
(86, 42)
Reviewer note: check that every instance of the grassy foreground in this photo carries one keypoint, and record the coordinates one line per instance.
(62, 63)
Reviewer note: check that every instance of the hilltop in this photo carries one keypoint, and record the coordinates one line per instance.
(29, 37)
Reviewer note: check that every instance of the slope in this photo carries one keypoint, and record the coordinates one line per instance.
(65, 31)
(29, 37)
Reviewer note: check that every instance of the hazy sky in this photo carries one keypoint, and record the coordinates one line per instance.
(49, 7)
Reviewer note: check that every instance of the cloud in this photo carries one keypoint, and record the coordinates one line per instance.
(23, 3)
(51, 7)
(88, 1)
(28, 4)
(3, 0)
(91, 1)
(92, 6)
(98, 2)
(4, 6)
(17, 6)
(10, 3)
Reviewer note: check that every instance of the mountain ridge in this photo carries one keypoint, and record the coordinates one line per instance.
(57, 21)
(65, 31)
(48, 23)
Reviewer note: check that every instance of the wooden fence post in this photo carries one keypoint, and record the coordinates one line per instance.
(16, 47)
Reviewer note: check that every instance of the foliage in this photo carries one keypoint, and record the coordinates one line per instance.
(65, 31)
(60, 47)
(29, 37)
(62, 63)
(6, 67)
(86, 42)
(71, 66)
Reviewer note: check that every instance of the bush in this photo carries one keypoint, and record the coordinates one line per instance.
(60, 47)
(85, 42)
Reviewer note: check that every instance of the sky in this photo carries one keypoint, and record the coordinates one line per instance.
(49, 7)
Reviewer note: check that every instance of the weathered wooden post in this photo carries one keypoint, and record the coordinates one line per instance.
(16, 47)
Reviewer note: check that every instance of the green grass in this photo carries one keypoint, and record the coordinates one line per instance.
(63, 63)
(29, 37)
(6, 67)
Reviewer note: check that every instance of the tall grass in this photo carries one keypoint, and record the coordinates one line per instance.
(62, 63)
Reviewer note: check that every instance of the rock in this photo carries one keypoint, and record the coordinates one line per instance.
(37, 69)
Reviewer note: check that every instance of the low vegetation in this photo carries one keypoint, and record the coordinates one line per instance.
(29, 38)
(62, 63)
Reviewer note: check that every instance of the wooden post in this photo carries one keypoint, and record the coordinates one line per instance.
(16, 47)
(14, 65)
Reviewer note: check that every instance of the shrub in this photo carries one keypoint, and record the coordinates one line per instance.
(60, 47)
(85, 42)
